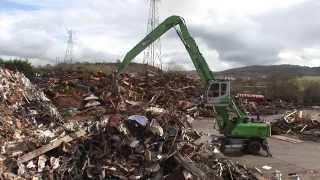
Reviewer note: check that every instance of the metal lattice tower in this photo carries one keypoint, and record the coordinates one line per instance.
(68, 58)
(152, 55)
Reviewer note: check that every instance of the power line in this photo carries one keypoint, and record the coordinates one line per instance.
(152, 55)
(68, 58)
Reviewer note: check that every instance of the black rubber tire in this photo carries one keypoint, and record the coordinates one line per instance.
(254, 147)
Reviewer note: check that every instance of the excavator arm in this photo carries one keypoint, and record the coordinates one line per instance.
(231, 120)
(222, 100)
(171, 22)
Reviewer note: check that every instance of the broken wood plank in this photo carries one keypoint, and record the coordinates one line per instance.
(188, 165)
(287, 139)
(50, 146)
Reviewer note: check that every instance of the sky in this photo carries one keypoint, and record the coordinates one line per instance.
(229, 33)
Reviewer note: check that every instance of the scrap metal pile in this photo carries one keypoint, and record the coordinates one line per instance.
(144, 133)
(68, 91)
(134, 148)
(258, 104)
(28, 118)
(296, 123)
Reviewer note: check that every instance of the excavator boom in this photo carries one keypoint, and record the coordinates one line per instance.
(200, 64)
(232, 122)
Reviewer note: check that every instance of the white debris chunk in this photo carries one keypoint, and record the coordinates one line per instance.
(22, 169)
(156, 110)
(92, 104)
(266, 167)
(54, 162)
(42, 162)
(91, 97)
(31, 165)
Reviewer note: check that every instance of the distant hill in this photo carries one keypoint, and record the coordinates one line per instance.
(107, 68)
(243, 72)
(259, 71)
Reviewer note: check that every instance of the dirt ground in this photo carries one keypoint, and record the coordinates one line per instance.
(301, 158)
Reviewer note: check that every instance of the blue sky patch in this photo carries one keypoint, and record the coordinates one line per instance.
(7, 5)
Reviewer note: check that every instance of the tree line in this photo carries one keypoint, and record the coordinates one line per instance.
(21, 65)
(299, 90)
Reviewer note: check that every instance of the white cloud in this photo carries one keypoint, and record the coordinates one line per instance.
(227, 8)
(245, 29)
(303, 57)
